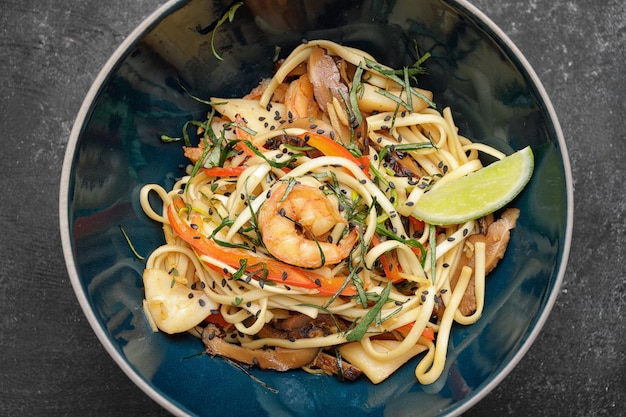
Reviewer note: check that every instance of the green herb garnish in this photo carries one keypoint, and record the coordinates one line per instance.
(130, 244)
(229, 15)
(361, 328)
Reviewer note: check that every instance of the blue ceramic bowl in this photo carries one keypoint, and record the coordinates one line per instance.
(115, 148)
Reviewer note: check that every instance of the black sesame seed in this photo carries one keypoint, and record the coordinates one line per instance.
(465, 231)
(190, 295)
(318, 282)
(443, 291)
(387, 118)
(450, 239)
(446, 265)
(201, 302)
(410, 203)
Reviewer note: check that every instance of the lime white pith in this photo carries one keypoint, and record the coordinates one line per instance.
(477, 194)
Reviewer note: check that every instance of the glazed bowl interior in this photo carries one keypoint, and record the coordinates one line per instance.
(146, 89)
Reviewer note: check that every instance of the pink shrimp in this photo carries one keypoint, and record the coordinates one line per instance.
(292, 227)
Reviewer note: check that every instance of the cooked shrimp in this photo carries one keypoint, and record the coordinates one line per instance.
(300, 99)
(292, 227)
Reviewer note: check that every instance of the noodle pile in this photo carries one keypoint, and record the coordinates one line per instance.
(298, 204)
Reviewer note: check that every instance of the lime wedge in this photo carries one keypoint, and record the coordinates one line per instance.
(477, 194)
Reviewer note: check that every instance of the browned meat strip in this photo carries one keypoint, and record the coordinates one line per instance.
(496, 240)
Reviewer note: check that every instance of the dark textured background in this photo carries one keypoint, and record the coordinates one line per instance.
(50, 360)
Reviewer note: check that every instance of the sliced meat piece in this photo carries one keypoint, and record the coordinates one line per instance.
(496, 241)
(326, 79)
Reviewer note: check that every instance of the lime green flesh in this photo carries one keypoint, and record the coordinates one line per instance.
(477, 194)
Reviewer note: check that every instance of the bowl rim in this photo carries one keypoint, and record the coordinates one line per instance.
(121, 52)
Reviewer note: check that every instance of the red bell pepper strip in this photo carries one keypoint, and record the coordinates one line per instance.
(225, 172)
(218, 318)
(428, 333)
(391, 268)
(330, 147)
(241, 134)
(276, 271)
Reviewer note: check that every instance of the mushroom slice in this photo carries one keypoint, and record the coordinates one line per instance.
(330, 364)
(279, 359)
